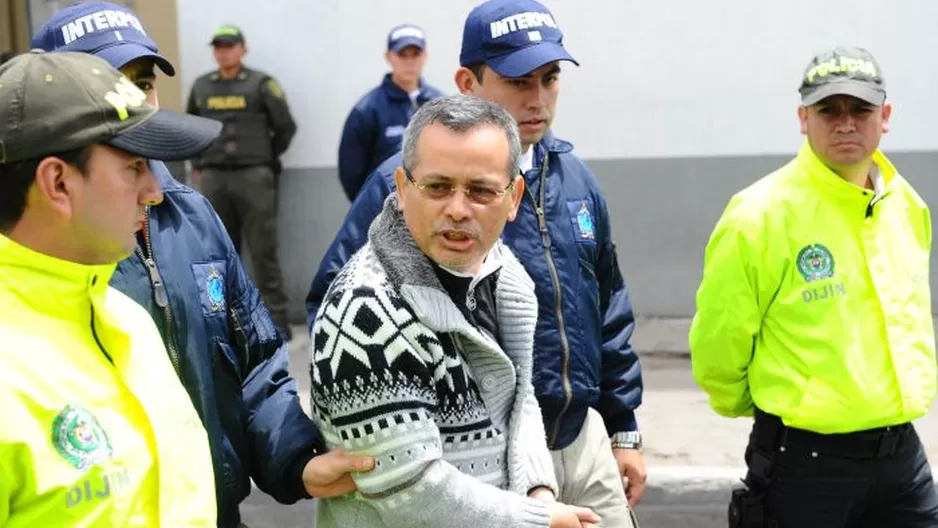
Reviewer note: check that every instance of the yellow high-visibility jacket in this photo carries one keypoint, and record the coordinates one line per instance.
(815, 303)
(95, 428)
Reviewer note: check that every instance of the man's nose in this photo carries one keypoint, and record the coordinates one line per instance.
(458, 206)
(151, 193)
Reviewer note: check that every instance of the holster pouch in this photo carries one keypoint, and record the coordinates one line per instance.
(747, 503)
(747, 509)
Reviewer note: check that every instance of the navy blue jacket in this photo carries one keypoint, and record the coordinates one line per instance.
(582, 352)
(225, 348)
(373, 131)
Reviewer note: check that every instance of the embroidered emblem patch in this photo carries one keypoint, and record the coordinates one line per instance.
(815, 262)
(584, 221)
(215, 290)
(394, 131)
(79, 439)
(210, 279)
(274, 89)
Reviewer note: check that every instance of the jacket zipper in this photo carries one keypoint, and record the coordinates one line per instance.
(558, 300)
(159, 293)
(94, 333)
(869, 207)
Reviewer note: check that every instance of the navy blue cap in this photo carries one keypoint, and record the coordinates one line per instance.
(406, 35)
(107, 30)
(513, 37)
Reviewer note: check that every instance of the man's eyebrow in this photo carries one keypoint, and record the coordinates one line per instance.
(436, 176)
(531, 75)
(443, 178)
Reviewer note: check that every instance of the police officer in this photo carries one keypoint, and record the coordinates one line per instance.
(374, 128)
(219, 336)
(814, 316)
(239, 173)
(96, 429)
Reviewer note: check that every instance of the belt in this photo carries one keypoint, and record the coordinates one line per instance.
(878, 443)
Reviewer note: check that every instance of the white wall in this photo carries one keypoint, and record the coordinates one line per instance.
(659, 78)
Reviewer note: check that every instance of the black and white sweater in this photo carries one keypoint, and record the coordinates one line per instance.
(449, 414)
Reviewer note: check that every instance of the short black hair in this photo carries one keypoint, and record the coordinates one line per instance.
(16, 179)
(477, 69)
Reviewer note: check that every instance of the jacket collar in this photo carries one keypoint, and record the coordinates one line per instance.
(552, 144)
(824, 179)
(243, 73)
(549, 144)
(396, 92)
(165, 178)
(397, 251)
(50, 285)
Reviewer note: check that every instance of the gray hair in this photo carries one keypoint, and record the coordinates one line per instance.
(462, 113)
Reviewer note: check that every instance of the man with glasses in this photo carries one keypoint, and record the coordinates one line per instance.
(95, 429)
(423, 348)
(587, 376)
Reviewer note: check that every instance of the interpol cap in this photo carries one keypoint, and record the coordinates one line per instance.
(227, 34)
(844, 70)
(406, 35)
(513, 37)
(107, 30)
(55, 102)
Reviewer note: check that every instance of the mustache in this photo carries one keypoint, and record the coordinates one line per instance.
(838, 140)
(469, 228)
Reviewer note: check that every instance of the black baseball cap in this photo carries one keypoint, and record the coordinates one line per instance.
(227, 34)
(844, 70)
(55, 102)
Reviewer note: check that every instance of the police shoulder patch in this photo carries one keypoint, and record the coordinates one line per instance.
(79, 439)
(815, 262)
(274, 89)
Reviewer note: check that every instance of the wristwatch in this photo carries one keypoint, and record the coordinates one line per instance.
(626, 440)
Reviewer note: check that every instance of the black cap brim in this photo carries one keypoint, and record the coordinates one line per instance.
(861, 90)
(226, 40)
(168, 136)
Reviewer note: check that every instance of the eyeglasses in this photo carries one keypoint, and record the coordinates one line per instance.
(478, 194)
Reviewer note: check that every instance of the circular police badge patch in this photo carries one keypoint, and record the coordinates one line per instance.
(79, 439)
(815, 262)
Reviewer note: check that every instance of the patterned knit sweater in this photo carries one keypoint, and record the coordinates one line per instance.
(449, 414)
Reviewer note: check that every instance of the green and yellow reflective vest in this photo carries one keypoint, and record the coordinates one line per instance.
(815, 304)
(95, 427)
